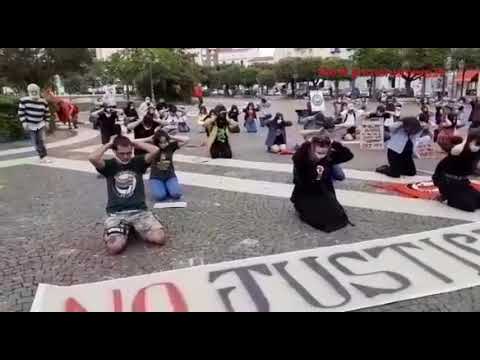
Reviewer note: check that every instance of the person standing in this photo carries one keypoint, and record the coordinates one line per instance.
(34, 113)
(198, 93)
(126, 207)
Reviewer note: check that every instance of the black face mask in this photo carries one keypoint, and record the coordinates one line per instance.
(221, 121)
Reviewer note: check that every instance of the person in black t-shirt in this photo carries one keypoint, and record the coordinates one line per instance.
(163, 181)
(143, 129)
(108, 122)
(126, 206)
(131, 114)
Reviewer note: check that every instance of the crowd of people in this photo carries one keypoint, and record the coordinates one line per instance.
(156, 131)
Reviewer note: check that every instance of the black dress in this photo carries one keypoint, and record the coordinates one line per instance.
(451, 179)
(315, 199)
(221, 147)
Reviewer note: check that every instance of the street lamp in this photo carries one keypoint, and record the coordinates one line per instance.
(152, 92)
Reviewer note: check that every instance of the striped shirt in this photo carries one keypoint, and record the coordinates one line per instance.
(33, 112)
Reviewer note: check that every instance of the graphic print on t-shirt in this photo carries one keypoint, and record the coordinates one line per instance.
(222, 134)
(125, 183)
(163, 163)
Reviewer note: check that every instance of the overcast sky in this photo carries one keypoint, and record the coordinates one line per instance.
(266, 51)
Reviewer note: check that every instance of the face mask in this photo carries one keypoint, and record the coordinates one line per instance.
(474, 146)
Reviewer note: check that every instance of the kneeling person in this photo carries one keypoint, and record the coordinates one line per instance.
(126, 206)
(163, 181)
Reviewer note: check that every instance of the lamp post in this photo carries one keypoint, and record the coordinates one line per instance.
(152, 92)
(294, 84)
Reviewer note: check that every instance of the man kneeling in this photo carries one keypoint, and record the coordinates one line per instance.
(126, 206)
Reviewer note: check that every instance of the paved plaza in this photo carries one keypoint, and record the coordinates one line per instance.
(51, 216)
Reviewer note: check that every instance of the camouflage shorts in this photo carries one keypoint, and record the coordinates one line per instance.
(122, 222)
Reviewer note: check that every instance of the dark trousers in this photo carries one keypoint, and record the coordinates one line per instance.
(401, 164)
(38, 141)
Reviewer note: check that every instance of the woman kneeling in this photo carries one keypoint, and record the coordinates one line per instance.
(314, 195)
(163, 181)
(277, 136)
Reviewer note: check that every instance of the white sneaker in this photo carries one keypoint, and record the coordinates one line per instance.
(45, 160)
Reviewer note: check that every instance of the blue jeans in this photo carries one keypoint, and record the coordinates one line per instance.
(163, 189)
(38, 141)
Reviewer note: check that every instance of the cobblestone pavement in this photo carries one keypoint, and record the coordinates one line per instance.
(51, 224)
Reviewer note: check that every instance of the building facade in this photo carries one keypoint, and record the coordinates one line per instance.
(281, 53)
(105, 53)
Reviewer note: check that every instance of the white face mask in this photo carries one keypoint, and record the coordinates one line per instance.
(33, 91)
(474, 146)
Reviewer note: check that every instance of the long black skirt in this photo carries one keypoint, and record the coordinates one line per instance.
(459, 194)
(322, 211)
(220, 150)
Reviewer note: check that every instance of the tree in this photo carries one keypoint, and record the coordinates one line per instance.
(410, 63)
(464, 59)
(266, 78)
(336, 69)
(373, 59)
(414, 61)
(248, 77)
(286, 70)
(230, 76)
(170, 69)
(21, 66)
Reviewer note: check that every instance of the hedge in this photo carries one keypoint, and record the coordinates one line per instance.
(10, 127)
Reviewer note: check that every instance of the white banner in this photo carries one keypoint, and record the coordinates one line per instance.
(338, 278)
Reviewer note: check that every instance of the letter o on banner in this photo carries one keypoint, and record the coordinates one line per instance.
(174, 295)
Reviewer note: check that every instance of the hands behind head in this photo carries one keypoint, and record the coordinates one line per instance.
(110, 143)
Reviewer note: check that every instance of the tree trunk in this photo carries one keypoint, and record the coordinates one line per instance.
(463, 82)
(444, 85)
(372, 87)
(408, 85)
(292, 83)
(128, 92)
(424, 85)
(336, 87)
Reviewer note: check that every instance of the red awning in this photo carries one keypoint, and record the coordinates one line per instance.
(470, 75)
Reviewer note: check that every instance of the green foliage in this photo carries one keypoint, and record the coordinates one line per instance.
(469, 58)
(248, 77)
(10, 127)
(266, 78)
(21, 66)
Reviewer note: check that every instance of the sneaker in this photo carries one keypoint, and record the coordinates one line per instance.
(45, 160)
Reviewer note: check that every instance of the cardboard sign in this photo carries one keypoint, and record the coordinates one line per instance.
(425, 149)
(316, 101)
(372, 134)
(337, 278)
